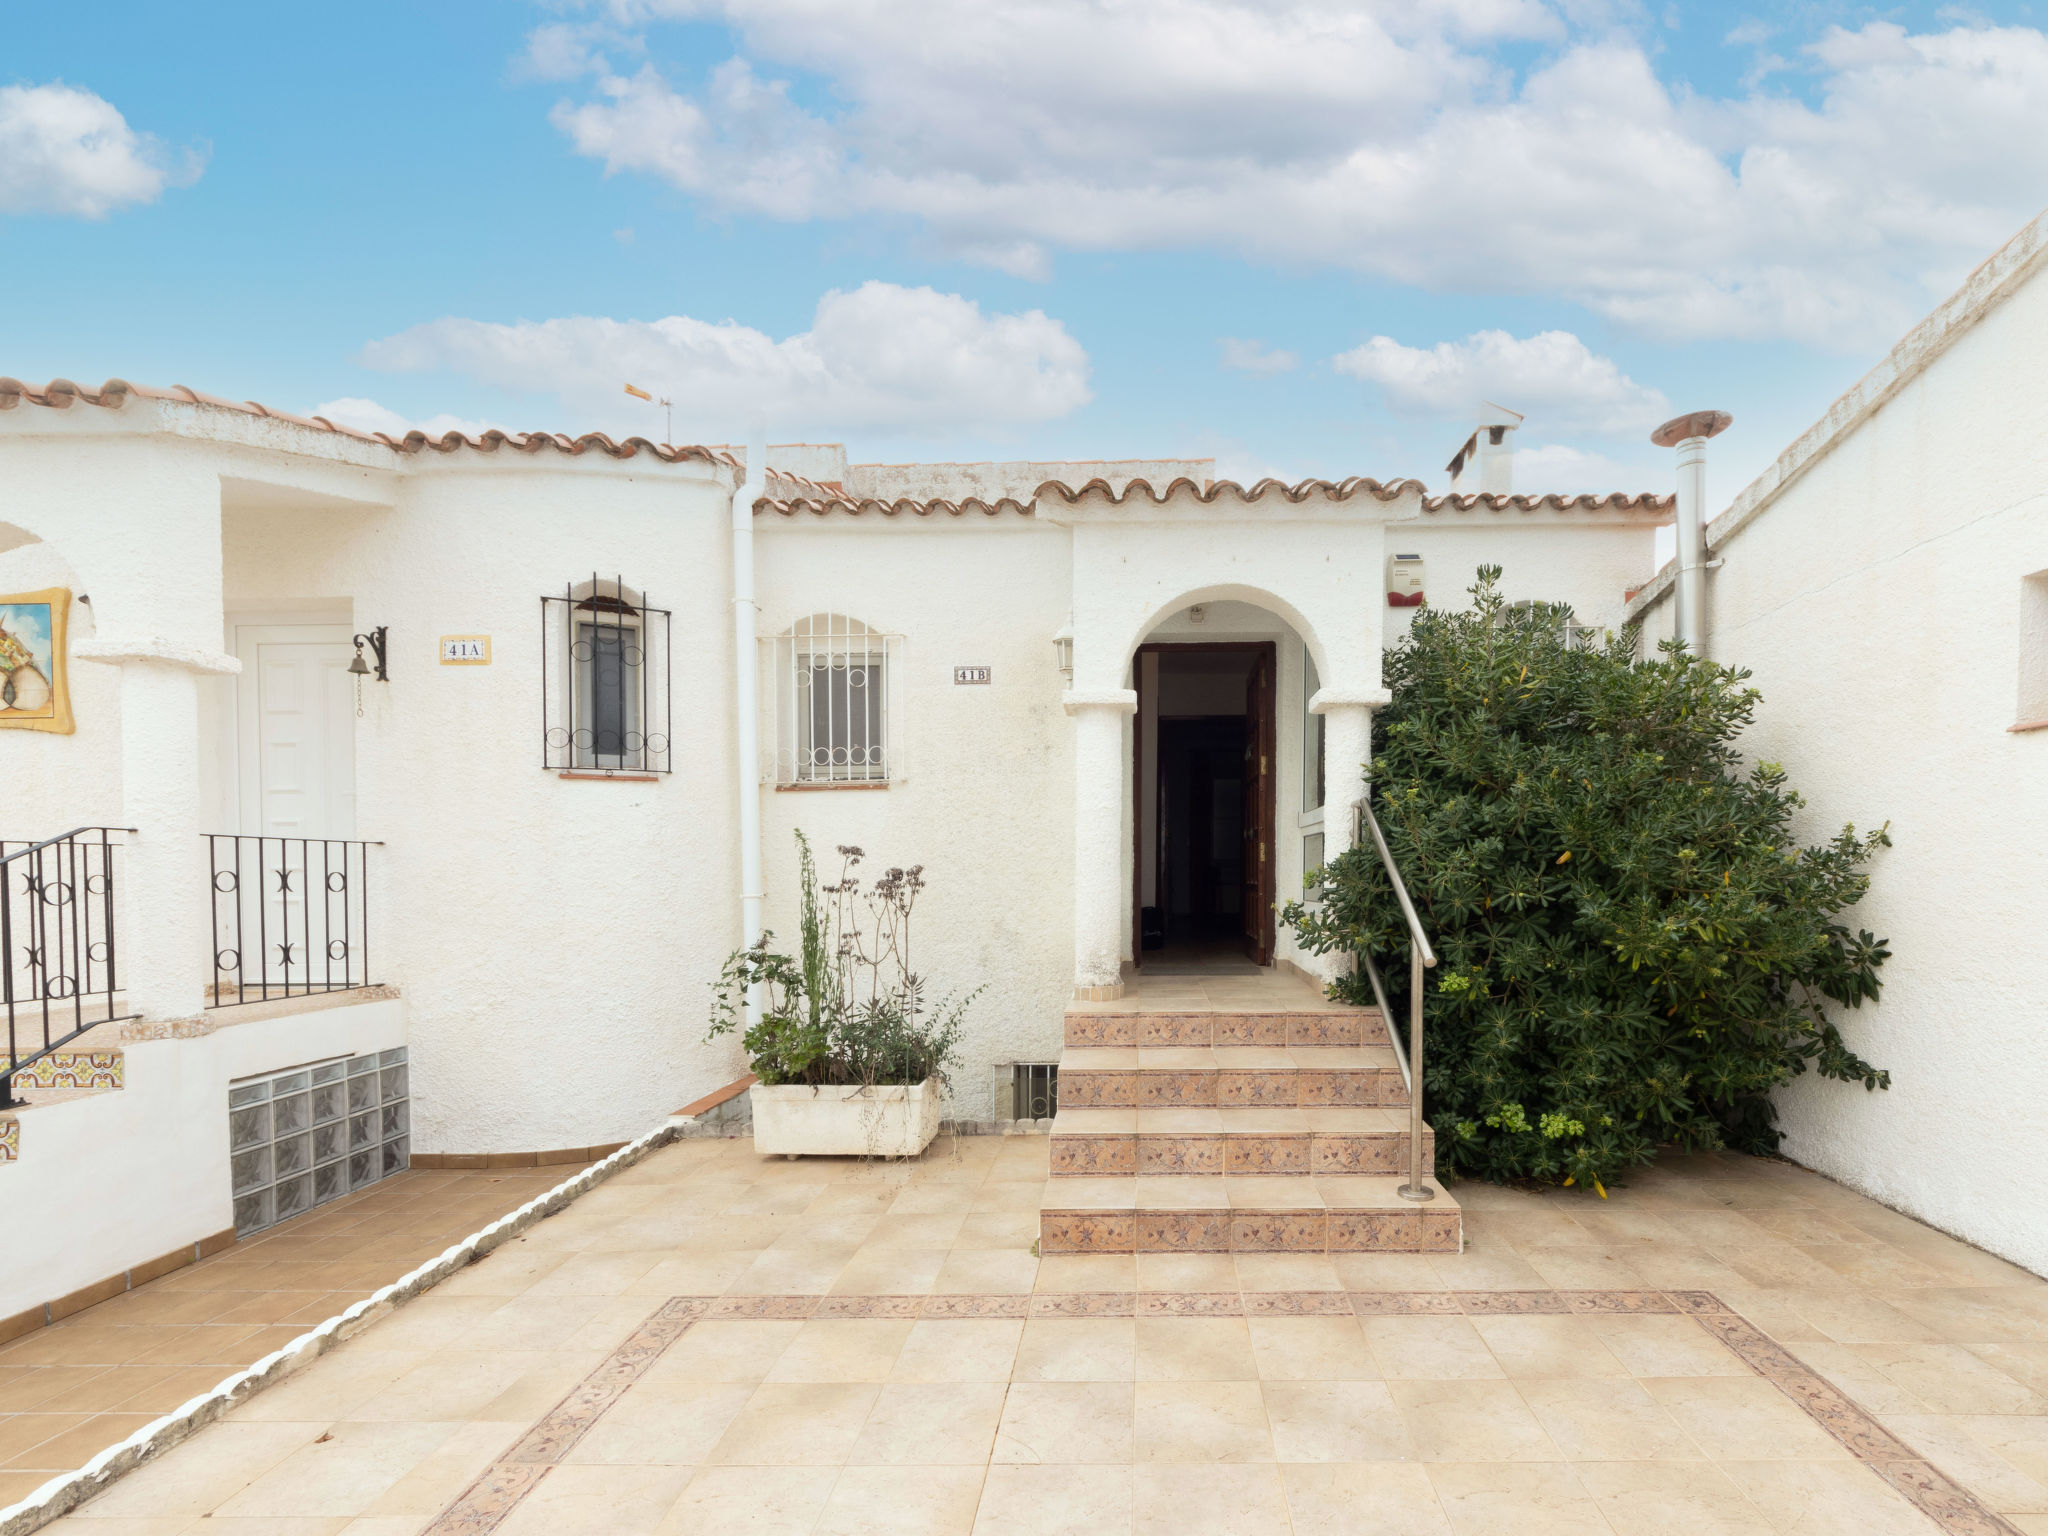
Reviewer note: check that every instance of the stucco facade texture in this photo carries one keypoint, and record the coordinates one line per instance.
(1877, 598)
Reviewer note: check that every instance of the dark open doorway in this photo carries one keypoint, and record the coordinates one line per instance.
(1203, 889)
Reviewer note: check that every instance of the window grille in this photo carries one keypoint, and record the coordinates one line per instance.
(835, 701)
(605, 679)
(1034, 1090)
(301, 1138)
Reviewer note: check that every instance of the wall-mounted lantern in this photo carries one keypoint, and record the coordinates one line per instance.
(1063, 649)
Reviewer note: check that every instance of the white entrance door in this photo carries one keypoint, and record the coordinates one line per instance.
(297, 730)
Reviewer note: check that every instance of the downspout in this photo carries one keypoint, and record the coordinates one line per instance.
(747, 696)
(1689, 434)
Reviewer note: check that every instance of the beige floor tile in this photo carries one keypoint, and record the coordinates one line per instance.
(959, 1349)
(1336, 1421)
(1385, 1272)
(1287, 1272)
(469, 1384)
(665, 1422)
(440, 1476)
(987, 1272)
(934, 1230)
(206, 1471)
(1743, 1418)
(1067, 1422)
(1539, 1346)
(842, 1349)
(597, 1501)
(931, 1424)
(1058, 1499)
(343, 1472)
(1471, 1421)
(1849, 1369)
(1429, 1349)
(1381, 1498)
(1088, 1272)
(1947, 1442)
(1211, 1272)
(1311, 1349)
(1208, 1501)
(796, 1424)
(1515, 1499)
(1657, 1345)
(892, 1501)
(1950, 1379)
(719, 1350)
(1078, 1349)
(1582, 1268)
(792, 1272)
(890, 1272)
(751, 1501)
(1195, 1349)
(693, 1274)
(997, 1229)
(2019, 1439)
(1825, 1498)
(1201, 1421)
(1670, 1498)
(1597, 1419)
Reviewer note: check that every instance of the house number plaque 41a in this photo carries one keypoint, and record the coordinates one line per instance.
(465, 650)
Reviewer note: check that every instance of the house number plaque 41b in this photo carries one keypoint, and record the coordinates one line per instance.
(971, 675)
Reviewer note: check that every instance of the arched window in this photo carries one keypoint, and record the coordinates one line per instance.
(834, 698)
(605, 679)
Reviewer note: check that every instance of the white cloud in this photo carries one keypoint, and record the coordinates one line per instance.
(881, 358)
(1551, 377)
(66, 151)
(1256, 357)
(369, 416)
(1570, 471)
(1387, 137)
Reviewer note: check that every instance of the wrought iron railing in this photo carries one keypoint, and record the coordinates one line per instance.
(59, 976)
(291, 916)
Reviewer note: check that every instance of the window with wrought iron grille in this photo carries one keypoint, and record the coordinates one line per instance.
(605, 679)
(835, 686)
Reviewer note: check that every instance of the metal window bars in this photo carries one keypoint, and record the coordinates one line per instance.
(834, 682)
(1034, 1090)
(58, 965)
(1420, 958)
(291, 916)
(605, 680)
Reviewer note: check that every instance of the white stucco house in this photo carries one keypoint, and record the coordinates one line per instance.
(427, 784)
(1109, 707)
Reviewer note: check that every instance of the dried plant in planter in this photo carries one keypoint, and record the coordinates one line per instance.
(847, 1009)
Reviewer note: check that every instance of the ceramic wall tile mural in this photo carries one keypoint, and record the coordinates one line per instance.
(35, 685)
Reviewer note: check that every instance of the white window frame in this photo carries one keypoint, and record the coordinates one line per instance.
(833, 643)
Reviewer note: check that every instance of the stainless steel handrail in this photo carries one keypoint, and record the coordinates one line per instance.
(1420, 958)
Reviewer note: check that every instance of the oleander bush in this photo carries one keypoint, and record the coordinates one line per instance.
(847, 1008)
(1633, 948)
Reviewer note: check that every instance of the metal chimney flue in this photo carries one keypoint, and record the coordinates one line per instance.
(1689, 434)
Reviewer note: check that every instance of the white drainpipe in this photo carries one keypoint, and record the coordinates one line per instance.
(1689, 434)
(747, 696)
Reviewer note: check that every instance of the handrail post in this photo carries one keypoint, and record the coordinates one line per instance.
(1417, 1188)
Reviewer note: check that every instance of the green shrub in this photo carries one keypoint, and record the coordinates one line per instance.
(1632, 948)
(847, 1009)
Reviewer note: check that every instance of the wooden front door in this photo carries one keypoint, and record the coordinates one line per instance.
(1259, 777)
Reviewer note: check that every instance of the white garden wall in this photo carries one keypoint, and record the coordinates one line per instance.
(1877, 600)
(117, 1179)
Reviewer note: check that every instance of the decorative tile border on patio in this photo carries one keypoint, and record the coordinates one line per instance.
(493, 1496)
(488, 1500)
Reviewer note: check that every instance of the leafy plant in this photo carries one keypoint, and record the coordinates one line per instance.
(1633, 949)
(847, 1008)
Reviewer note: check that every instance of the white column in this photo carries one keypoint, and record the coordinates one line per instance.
(1100, 887)
(164, 945)
(1347, 748)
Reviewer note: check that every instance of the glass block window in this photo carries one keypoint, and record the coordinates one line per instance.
(298, 1139)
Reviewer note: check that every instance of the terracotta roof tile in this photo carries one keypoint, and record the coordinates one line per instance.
(60, 394)
(1493, 501)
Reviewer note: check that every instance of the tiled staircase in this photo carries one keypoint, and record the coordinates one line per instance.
(1240, 1130)
(52, 1079)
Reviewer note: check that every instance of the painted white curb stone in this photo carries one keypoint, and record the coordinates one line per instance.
(65, 1492)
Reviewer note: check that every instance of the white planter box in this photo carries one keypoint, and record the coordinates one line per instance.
(884, 1121)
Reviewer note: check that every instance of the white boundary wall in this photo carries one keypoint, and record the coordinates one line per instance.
(116, 1179)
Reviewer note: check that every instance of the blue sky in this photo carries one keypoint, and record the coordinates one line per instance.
(1302, 238)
